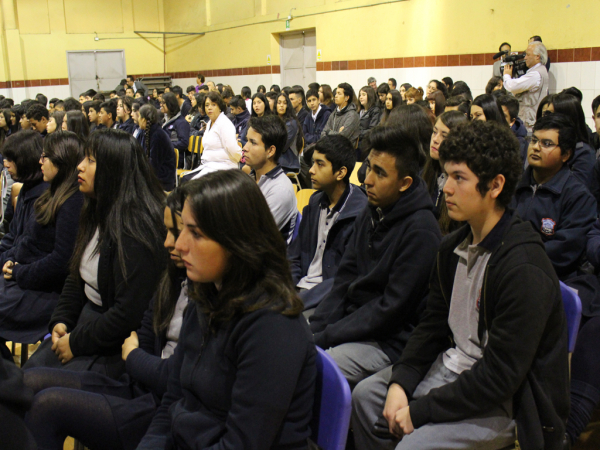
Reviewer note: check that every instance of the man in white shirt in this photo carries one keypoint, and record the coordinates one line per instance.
(532, 87)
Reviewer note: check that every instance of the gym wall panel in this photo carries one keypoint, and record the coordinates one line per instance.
(89, 16)
(224, 11)
(185, 15)
(283, 7)
(33, 17)
(146, 15)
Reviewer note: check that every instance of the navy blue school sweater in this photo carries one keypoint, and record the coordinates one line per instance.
(302, 251)
(250, 384)
(42, 252)
(178, 130)
(313, 128)
(562, 211)
(240, 121)
(161, 155)
(382, 279)
(128, 126)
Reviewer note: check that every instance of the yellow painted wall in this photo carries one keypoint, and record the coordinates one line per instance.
(33, 52)
(35, 34)
(408, 28)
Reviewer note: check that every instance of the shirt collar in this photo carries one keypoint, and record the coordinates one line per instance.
(494, 237)
(273, 173)
(340, 204)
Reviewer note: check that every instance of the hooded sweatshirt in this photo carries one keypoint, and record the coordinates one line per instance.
(347, 118)
(382, 278)
(525, 357)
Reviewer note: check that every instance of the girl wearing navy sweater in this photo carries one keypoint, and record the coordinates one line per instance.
(104, 413)
(243, 373)
(35, 253)
(158, 147)
(117, 261)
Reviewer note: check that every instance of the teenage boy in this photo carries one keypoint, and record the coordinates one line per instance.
(107, 115)
(316, 120)
(488, 362)
(183, 101)
(241, 114)
(297, 101)
(344, 120)
(38, 117)
(374, 304)
(94, 116)
(558, 205)
(267, 136)
(129, 92)
(510, 108)
(327, 220)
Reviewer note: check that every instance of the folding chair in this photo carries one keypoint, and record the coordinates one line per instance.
(332, 407)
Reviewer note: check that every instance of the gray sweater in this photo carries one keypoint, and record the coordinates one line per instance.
(347, 118)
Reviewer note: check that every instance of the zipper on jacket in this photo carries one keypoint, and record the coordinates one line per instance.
(517, 445)
(485, 276)
(440, 279)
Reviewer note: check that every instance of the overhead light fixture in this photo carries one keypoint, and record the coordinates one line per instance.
(96, 38)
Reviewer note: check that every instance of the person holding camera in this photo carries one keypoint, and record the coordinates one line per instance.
(532, 87)
(504, 47)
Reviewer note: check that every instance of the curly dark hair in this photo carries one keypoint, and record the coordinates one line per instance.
(488, 149)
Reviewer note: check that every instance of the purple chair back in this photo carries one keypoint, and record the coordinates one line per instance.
(333, 405)
(572, 305)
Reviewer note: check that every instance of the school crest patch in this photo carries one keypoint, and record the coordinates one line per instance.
(548, 226)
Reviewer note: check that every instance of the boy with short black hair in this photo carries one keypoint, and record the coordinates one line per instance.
(108, 115)
(380, 284)
(38, 117)
(298, 103)
(238, 108)
(266, 139)
(327, 220)
(510, 108)
(558, 205)
(129, 92)
(489, 355)
(596, 116)
(316, 120)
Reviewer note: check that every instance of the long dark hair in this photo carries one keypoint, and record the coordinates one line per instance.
(229, 208)
(396, 102)
(169, 285)
(491, 109)
(433, 169)
(568, 105)
(263, 98)
(371, 98)
(78, 123)
(25, 149)
(65, 150)
(418, 122)
(128, 197)
(59, 117)
(150, 114)
(290, 114)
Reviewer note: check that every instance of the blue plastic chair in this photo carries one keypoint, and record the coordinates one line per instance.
(333, 405)
(572, 305)
(296, 227)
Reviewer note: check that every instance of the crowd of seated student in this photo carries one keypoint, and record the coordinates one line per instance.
(360, 263)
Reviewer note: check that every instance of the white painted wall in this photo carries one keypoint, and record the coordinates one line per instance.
(583, 75)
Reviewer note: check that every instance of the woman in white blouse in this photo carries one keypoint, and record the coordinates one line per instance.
(221, 150)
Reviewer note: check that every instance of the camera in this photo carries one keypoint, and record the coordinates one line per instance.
(518, 63)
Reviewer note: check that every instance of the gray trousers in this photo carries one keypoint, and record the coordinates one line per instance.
(359, 360)
(491, 431)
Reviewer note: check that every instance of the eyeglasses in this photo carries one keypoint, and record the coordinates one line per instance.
(545, 144)
(43, 157)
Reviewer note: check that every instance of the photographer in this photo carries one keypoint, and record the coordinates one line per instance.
(504, 47)
(532, 87)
